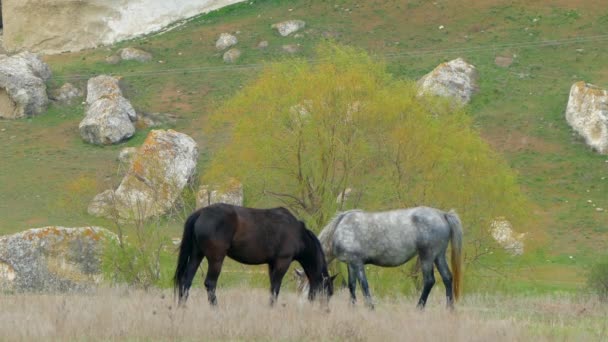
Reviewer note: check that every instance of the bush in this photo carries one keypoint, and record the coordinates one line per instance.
(598, 279)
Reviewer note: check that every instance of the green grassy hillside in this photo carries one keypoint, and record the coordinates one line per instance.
(48, 174)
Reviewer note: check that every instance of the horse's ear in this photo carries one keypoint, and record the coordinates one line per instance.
(299, 272)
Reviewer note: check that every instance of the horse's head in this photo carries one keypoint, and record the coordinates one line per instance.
(323, 286)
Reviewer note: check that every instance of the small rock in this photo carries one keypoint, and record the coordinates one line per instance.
(114, 59)
(291, 48)
(67, 93)
(225, 41)
(285, 28)
(133, 54)
(263, 44)
(232, 55)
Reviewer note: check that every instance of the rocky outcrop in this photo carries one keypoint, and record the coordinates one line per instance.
(456, 79)
(52, 259)
(61, 25)
(503, 233)
(231, 193)
(22, 85)
(109, 116)
(156, 177)
(587, 114)
(225, 41)
(285, 28)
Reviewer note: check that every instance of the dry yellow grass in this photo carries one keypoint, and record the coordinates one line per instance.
(244, 315)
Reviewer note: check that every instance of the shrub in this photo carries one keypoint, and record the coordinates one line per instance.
(597, 279)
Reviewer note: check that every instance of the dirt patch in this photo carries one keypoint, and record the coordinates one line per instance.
(517, 142)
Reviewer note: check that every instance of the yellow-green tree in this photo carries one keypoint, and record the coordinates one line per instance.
(303, 132)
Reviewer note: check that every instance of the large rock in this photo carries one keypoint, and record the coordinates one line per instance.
(456, 79)
(587, 113)
(157, 175)
(108, 120)
(22, 85)
(225, 41)
(231, 193)
(503, 233)
(102, 85)
(285, 28)
(52, 259)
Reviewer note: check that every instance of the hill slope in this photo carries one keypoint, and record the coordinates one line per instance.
(48, 175)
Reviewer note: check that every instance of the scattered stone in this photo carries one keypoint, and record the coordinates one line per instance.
(231, 193)
(330, 34)
(503, 61)
(113, 59)
(285, 28)
(456, 79)
(263, 44)
(52, 259)
(291, 48)
(158, 173)
(133, 54)
(67, 93)
(232, 55)
(22, 85)
(344, 196)
(502, 231)
(587, 114)
(148, 120)
(225, 41)
(108, 120)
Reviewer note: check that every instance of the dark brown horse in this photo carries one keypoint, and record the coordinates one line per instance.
(249, 236)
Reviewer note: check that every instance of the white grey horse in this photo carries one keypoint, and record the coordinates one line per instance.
(391, 238)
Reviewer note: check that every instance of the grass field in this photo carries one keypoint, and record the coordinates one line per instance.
(243, 314)
(48, 174)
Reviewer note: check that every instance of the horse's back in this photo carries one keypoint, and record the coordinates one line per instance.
(388, 238)
(252, 236)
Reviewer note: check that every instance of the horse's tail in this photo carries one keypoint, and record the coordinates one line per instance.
(456, 228)
(185, 251)
(327, 233)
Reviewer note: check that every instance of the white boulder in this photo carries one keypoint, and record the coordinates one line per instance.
(456, 79)
(587, 114)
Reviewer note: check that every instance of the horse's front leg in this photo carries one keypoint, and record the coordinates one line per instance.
(360, 271)
(277, 270)
(352, 282)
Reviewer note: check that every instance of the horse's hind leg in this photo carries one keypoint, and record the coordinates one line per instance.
(428, 278)
(446, 276)
(360, 271)
(193, 263)
(213, 273)
(352, 282)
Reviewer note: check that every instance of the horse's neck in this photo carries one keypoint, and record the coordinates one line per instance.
(311, 258)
